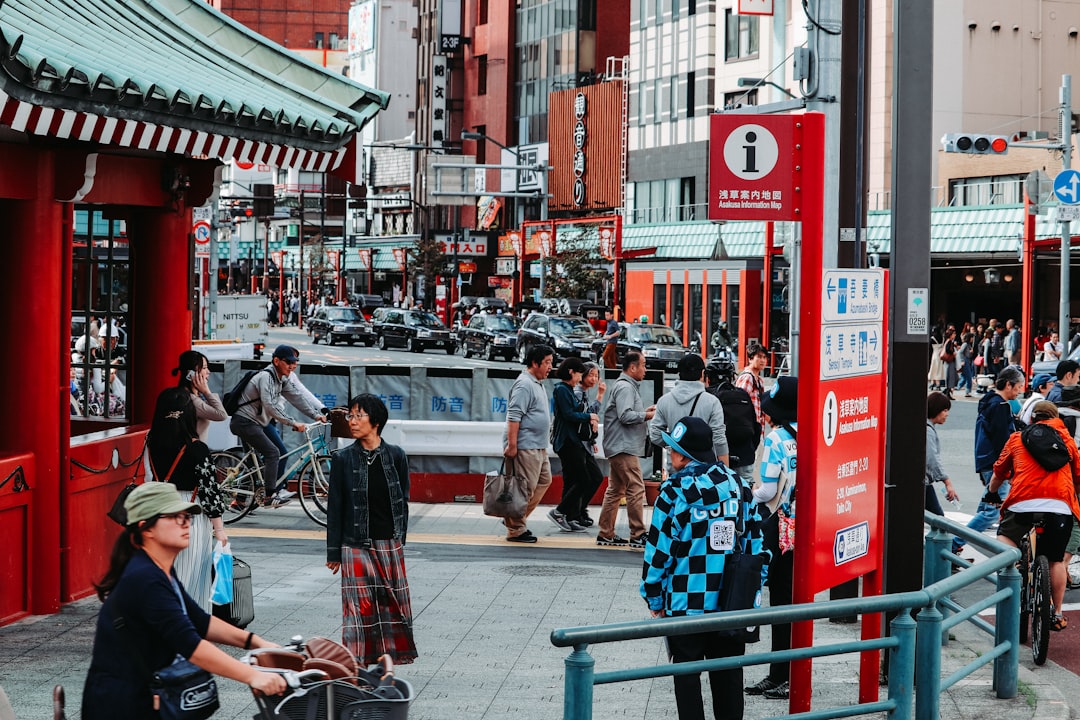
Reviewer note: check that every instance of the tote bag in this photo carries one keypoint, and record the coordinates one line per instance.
(506, 494)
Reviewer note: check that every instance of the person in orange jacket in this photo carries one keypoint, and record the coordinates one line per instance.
(1037, 490)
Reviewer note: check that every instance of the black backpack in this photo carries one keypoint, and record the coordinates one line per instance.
(1045, 444)
(740, 419)
(231, 401)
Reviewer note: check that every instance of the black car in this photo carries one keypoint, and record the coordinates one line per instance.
(659, 344)
(414, 330)
(567, 335)
(489, 336)
(341, 324)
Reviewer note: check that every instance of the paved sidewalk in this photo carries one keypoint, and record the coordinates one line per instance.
(484, 611)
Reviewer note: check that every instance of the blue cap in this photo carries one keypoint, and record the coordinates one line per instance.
(1041, 379)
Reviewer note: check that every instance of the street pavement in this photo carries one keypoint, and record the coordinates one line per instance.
(484, 611)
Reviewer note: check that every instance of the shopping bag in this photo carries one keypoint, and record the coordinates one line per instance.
(223, 575)
(506, 494)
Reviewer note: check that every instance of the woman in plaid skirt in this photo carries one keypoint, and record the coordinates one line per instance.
(367, 517)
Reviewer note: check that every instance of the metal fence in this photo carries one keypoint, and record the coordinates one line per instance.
(917, 634)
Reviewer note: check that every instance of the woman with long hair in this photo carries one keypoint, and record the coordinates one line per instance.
(147, 618)
(570, 422)
(193, 374)
(367, 519)
(178, 457)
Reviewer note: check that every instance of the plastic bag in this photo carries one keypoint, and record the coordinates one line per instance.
(223, 575)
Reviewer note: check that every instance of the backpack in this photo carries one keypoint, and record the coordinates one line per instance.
(1045, 444)
(231, 401)
(740, 419)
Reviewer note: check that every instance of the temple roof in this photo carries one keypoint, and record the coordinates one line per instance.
(172, 76)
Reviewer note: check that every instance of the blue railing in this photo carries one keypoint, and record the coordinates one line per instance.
(914, 644)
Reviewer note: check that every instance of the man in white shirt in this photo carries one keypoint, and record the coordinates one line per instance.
(1053, 348)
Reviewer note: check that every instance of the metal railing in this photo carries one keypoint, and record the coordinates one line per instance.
(914, 644)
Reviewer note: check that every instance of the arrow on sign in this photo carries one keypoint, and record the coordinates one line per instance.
(873, 340)
(829, 289)
(1074, 182)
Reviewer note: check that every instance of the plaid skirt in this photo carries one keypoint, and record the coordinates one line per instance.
(377, 612)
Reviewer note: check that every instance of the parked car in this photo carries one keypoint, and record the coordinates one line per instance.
(341, 324)
(659, 344)
(1048, 366)
(567, 335)
(490, 336)
(414, 330)
(367, 304)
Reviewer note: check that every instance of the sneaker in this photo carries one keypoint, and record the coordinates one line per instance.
(577, 526)
(638, 543)
(763, 685)
(525, 537)
(780, 692)
(585, 521)
(559, 519)
(285, 496)
(613, 541)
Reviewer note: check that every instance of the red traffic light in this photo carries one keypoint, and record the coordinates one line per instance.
(999, 145)
(248, 211)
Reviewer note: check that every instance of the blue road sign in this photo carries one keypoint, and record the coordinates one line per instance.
(1067, 187)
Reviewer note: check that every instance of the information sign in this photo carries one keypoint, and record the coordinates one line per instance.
(850, 350)
(755, 166)
(852, 296)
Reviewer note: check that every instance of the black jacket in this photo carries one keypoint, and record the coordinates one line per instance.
(346, 506)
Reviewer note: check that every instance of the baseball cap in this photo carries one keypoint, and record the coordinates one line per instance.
(781, 403)
(156, 498)
(287, 353)
(692, 438)
(1041, 379)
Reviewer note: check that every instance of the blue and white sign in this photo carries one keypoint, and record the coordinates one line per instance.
(852, 295)
(851, 543)
(1067, 187)
(851, 350)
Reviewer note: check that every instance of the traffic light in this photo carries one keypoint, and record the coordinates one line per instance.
(263, 200)
(975, 144)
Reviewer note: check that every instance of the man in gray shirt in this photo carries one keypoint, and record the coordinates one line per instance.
(528, 425)
(625, 437)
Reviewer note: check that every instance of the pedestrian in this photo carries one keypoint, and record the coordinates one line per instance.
(367, 520)
(147, 618)
(997, 349)
(1068, 374)
(993, 426)
(1053, 348)
(1012, 342)
(689, 397)
(611, 340)
(1038, 492)
(965, 357)
(525, 440)
(695, 528)
(936, 375)
(776, 493)
(948, 359)
(750, 378)
(263, 401)
(625, 442)
(740, 419)
(193, 373)
(571, 423)
(594, 475)
(937, 412)
(1040, 386)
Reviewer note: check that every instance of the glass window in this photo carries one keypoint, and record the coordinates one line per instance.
(740, 35)
(691, 78)
(658, 100)
(481, 74)
(100, 295)
(674, 10)
(641, 103)
(673, 95)
(318, 41)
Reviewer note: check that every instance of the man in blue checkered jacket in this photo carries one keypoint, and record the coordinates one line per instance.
(703, 511)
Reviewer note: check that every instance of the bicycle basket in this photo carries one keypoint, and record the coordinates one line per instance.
(340, 700)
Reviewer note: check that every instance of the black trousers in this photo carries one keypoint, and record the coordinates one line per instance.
(593, 477)
(781, 573)
(574, 478)
(726, 685)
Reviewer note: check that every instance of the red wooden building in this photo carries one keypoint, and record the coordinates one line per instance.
(120, 121)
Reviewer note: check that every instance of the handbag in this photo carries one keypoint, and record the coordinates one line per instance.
(184, 691)
(740, 587)
(979, 361)
(222, 593)
(506, 495)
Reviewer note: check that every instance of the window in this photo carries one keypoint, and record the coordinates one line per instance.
(690, 99)
(740, 98)
(641, 104)
(333, 41)
(481, 74)
(100, 296)
(481, 146)
(992, 190)
(482, 12)
(658, 100)
(740, 35)
(318, 41)
(673, 105)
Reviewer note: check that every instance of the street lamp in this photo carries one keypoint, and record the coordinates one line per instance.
(751, 83)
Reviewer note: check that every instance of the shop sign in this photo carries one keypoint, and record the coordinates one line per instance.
(581, 107)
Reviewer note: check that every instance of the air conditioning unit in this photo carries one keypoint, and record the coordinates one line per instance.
(380, 276)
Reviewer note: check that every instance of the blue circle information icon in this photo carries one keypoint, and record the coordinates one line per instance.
(1067, 187)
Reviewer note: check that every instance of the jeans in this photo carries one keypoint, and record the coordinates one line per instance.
(986, 515)
(967, 378)
(274, 434)
(256, 436)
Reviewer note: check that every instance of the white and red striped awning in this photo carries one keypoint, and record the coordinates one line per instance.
(62, 124)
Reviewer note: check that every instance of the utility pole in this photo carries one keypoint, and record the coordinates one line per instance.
(823, 36)
(1064, 314)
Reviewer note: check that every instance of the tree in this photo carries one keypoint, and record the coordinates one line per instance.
(576, 270)
(427, 259)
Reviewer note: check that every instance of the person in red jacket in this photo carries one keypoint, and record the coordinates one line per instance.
(1038, 491)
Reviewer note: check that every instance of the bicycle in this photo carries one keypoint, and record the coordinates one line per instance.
(1035, 597)
(242, 476)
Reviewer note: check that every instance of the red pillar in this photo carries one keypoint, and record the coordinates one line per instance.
(35, 400)
(749, 309)
(161, 307)
(1027, 299)
(686, 307)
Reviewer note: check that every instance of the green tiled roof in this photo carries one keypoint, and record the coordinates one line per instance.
(175, 63)
(689, 240)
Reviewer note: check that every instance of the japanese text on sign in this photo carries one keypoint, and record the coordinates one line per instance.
(850, 350)
(852, 296)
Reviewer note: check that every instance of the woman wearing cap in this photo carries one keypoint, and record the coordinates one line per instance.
(178, 457)
(147, 618)
(937, 412)
(193, 371)
(779, 406)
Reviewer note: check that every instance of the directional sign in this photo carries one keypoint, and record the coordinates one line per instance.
(852, 295)
(1067, 187)
(851, 543)
(851, 350)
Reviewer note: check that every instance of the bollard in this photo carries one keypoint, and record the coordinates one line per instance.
(578, 701)
(936, 566)
(928, 663)
(1007, 629)
(902, 665)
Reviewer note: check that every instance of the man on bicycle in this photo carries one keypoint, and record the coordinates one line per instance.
(1039, 491)
(263, 402)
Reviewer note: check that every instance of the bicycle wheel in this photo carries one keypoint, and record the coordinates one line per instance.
(1025, 589)
(313, 485)
(1041, 612)
(238, 479)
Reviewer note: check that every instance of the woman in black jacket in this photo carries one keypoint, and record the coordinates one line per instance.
(570, 423)
(367, 518)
